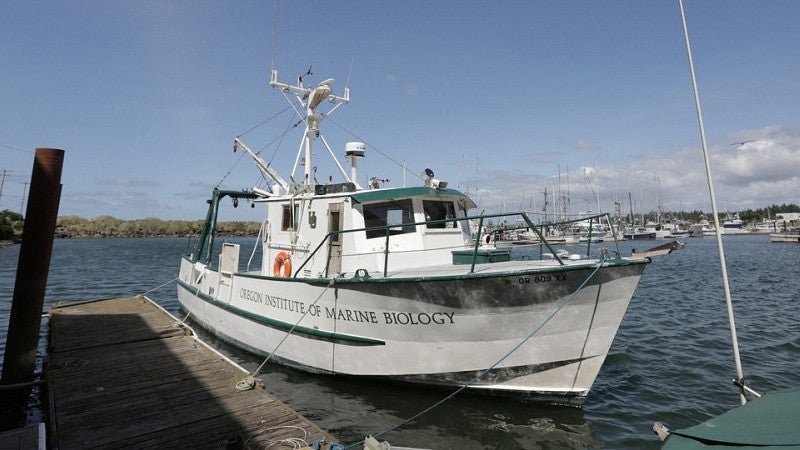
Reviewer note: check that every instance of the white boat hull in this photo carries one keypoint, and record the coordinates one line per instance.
(437, 331)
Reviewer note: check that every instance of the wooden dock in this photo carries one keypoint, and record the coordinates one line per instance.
(124, 373)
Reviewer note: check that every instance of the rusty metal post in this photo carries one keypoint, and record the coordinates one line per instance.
(19, 361)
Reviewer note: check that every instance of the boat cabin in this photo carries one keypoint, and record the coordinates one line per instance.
(373, 230)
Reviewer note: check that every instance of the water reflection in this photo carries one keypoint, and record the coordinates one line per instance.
(352, 408)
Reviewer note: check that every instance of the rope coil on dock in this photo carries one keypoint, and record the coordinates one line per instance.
(246, 384)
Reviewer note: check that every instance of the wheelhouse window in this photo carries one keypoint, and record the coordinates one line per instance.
(439, 210)
(394, 214)
(289, 219)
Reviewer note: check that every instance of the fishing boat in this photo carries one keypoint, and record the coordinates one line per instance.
(640, 234)
(395, 283)
(734, 225)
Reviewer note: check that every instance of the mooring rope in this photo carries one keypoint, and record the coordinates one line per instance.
(188, 313)
(158, 287)
(249, 382)
(482, 374)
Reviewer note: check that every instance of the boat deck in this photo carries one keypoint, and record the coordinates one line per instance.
(488, 269)
(124, 373)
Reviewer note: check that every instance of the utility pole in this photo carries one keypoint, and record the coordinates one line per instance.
(24, 191)
(6, 173)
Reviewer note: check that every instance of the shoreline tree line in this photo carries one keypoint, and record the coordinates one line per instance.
(11, 225)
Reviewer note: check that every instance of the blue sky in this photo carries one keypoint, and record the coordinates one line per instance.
(497, 98)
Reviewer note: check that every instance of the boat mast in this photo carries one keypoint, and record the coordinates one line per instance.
(659, 207)
(725, 285)
(310, 99)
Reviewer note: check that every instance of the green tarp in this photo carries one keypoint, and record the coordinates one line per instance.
(772, 421)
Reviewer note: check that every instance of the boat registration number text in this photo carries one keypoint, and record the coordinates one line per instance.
(542, 279)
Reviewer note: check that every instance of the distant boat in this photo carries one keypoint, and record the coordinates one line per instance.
(765, 227)
(640, 235)
(681, 233)
(564, 239)
(394, 283)
(586, 231)
(734, 225)
(702, 228)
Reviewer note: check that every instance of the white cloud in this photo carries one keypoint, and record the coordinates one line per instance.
(130, 182)
(770, 155)
(584, 144)
(409, 88)
(763, 171)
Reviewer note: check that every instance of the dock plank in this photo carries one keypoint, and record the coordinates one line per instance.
(124, 373)
(23, 438)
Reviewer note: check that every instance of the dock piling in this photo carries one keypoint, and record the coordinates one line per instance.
(19, 360)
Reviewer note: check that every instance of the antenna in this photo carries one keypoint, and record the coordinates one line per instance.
(274, 30)
(349, 71)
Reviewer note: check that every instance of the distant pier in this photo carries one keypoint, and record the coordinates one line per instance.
(124, 373)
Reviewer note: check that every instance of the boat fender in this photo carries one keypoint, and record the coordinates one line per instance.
(283, 260)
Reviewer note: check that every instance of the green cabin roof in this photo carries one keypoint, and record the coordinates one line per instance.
(406, 192)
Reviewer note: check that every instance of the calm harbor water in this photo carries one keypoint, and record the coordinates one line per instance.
(671, 360)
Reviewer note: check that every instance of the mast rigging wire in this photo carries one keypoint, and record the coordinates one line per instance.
(401, 165)
(278, 138)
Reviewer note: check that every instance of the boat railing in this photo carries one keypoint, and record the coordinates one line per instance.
(483, 227)
(205, 243)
